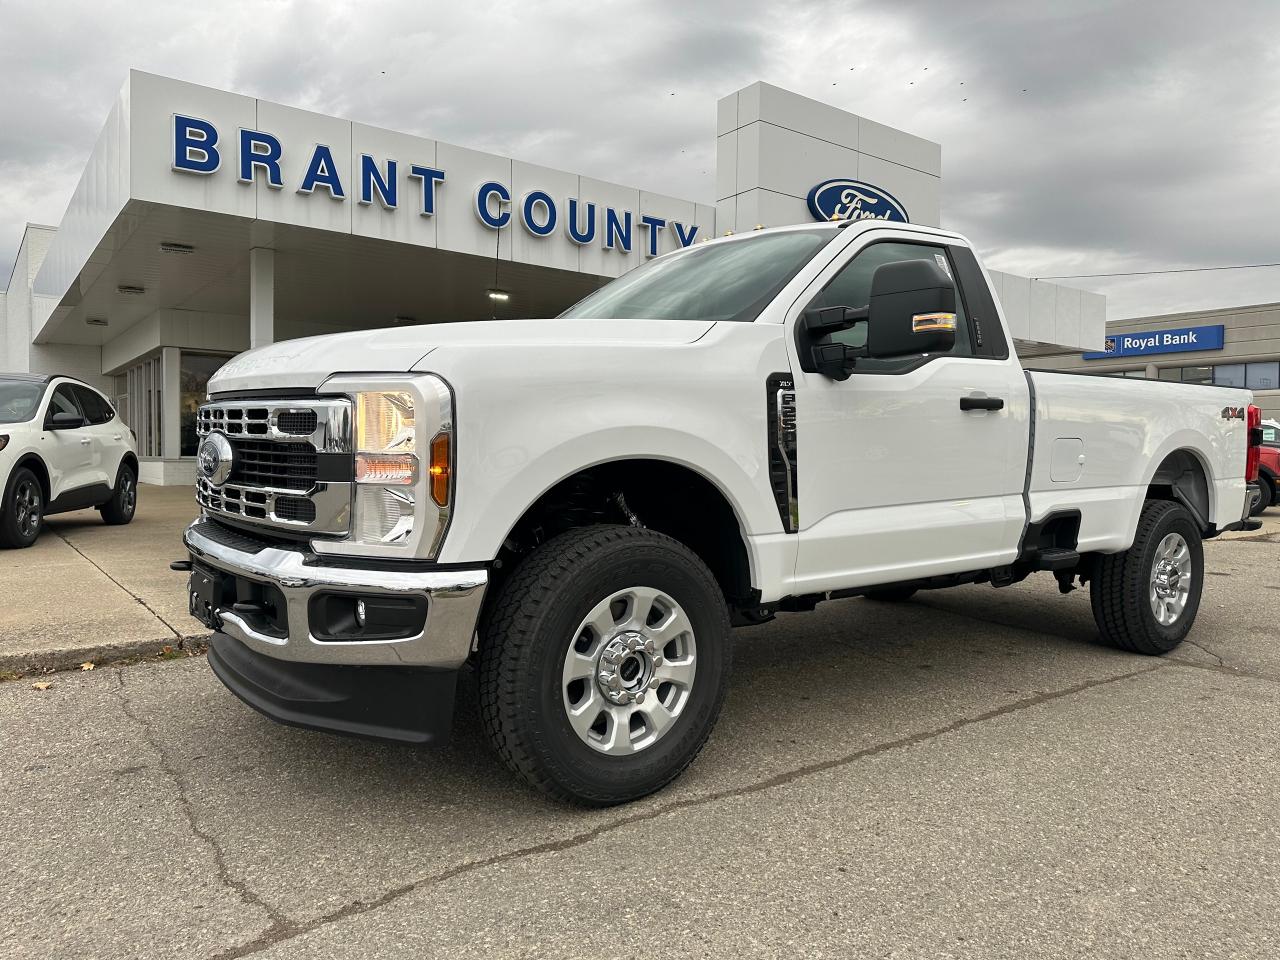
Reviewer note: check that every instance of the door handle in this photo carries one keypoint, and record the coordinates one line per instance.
(981, 403)
(116, 437)
(85, 441)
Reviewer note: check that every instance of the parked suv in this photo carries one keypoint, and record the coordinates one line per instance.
(62, 447)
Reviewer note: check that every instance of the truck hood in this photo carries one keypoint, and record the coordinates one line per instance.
(308, 362)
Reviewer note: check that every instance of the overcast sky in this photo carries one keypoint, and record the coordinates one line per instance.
(1077, 137)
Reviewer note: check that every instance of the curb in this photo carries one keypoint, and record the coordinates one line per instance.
(69, 658)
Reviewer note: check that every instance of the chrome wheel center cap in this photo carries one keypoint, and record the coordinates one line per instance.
(1166, 579)
(625, 671)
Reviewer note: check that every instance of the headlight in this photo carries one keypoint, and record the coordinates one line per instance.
(402, 448)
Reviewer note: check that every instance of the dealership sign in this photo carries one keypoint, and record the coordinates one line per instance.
(854, 200)
(198, 150)
(1182, 340)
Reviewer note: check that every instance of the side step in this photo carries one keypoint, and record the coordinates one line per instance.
(1056, 558)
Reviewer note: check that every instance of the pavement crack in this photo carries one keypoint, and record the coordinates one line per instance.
(280, 924)
(98, 567)
(287, 931)
(1206, 651)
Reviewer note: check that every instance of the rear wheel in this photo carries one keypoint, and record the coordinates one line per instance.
(22, 512)
(124, 498)
(1145, 599)
(604, 661)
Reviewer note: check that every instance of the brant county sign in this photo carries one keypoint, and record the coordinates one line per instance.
(198, 150)
(853, 200)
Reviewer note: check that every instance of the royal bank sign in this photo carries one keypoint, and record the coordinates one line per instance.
(256, 155)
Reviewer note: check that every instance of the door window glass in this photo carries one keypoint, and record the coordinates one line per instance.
(95, 407)
(851, 287)
(62, 401)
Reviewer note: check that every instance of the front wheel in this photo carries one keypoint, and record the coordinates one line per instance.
(120, 508)
(1145, 599)
(604, 661)
(22, 510)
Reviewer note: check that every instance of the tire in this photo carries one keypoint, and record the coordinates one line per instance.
(1124, 591)
(1267, 498)
(22, 510)
(548, 612)
(120, 509)
(891, 594)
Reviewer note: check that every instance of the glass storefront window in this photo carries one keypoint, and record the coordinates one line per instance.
(1229, 375)
(1262, 376)
(195, 370)
(1197, 375)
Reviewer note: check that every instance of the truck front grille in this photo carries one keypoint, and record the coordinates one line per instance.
(275, 477)
(265, 463)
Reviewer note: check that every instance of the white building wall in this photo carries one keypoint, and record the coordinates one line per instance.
(773, 146)
(1040, 312)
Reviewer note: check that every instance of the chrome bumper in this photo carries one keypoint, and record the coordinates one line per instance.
(453, 603)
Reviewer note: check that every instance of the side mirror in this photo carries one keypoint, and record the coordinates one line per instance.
(912, 309)
(833, 360)
(65, 421)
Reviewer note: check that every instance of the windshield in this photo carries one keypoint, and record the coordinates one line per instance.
(19, 399)
(718, 281)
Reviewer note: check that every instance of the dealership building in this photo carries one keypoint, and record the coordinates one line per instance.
(209, 222)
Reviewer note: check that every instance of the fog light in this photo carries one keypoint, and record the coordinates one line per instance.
(362, 613)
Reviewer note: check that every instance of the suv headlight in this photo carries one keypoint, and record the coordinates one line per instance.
(402, 445)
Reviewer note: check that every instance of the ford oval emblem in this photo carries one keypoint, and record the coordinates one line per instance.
(214, 458)
(853, 200)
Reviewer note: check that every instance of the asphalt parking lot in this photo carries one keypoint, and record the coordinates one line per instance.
(967, 775)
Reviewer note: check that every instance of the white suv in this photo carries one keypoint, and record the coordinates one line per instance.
(62, 447)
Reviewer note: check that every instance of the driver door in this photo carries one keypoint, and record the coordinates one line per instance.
(897, 479)
(68, 451)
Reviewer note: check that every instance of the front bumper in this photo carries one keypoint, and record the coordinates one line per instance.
(293, 577)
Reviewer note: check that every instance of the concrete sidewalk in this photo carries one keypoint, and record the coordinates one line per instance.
(87, 591)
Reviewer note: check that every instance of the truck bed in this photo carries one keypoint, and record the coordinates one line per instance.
(1097, 442)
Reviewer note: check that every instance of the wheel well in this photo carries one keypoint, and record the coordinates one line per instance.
(33, 463)
(132, 461)
(1181, 478)
(654, 494)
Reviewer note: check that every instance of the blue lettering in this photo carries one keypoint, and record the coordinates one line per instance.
(685, 238)
(527, 211)
(371, 180)
(617, 233)
(260, 150)
(585, 236)
(195, 145)
(323, 172)
(429, 177)
(654, 224)
(492, 188)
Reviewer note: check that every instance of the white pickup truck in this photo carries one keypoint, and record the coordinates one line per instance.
(582, 507)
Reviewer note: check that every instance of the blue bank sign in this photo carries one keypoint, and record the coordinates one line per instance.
(853, 200)
(1182, 340)
(198, 150)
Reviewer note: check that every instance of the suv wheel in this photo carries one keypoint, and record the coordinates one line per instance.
(22, 512)
(604, 661)
(1145, 599)
(124, 499)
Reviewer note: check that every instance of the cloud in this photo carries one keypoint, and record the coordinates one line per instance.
(1077, 138)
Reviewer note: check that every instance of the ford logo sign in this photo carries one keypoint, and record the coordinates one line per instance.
(853, 200)
(214, 458)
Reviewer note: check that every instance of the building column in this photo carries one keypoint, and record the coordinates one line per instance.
(170, 403)
(262, 297)
(1153, 372)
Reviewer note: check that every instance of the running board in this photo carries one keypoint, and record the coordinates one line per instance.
(1056, 558)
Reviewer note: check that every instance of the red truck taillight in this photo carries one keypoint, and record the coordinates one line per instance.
(1254, 432)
